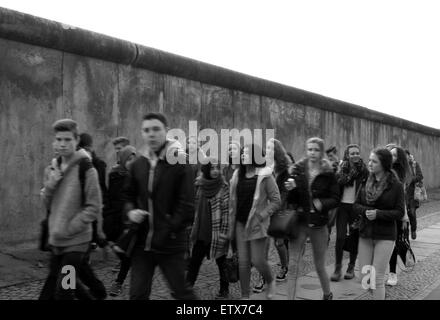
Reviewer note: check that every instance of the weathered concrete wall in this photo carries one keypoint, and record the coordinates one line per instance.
(42, 80)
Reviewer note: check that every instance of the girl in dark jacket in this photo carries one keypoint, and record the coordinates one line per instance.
(313, 192)
(403, 171)
(211, 224)
(380, 205)
(112, 211)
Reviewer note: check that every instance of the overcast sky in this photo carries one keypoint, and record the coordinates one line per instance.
(383, 55)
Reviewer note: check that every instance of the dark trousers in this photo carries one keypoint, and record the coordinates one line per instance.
(53, 287)
(172, 265)
(412, 217)
(344, 218)
(123, 271)
(199, 252)
(89, 278)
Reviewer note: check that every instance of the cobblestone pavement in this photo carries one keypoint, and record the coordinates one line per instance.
(207, 283)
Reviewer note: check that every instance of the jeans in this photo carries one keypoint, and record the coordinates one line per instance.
(88, 278)
(199, 252)
(412, 217)
(344, 218)
(318, 239)
(53, 287)
(172, 265)
(376, 253)
(282, 246)
(393, 259)
(123, 271)
(251, 252)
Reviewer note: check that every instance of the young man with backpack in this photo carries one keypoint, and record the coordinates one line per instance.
(73, 206)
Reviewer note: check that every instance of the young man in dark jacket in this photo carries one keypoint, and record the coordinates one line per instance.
(159, 197)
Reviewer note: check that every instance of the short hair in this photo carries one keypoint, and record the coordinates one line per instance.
(121, 140)
(158, 116)
(85, 140)
(319, 142)
(385, 157)
(65, 125)
(332, 149)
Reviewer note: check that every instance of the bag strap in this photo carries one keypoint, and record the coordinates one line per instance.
(84, 165)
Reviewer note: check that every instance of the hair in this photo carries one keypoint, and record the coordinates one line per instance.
(187, 143)
(158, 116)
(65, 125)
(236, 143)
(85, 140)
(280, 155)
(401, 166)
(332, 149)
(121, 140)
(319, 142)
(347, 150)
(385, 157)
(254, 149)
(206, 168)
(407, 152)
(290, 155)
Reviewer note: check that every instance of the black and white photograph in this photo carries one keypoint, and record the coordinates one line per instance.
(231, 151)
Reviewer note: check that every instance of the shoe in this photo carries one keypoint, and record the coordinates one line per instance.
(413, 235)
(259, 287)
(350, 272)
(392, 279)
(282, 275)
(327, 296)
(116, 289)
(116, 268)
(337, 275)
(271, 290)
(222, 295)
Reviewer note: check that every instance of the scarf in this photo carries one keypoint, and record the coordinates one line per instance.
(374, 189)
(210, 187)
(350, 172)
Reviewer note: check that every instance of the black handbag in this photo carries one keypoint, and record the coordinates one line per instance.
(405, 254)
(44, 235)
(283, 224)
(231, 268)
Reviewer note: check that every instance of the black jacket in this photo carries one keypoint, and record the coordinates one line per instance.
(170, 202)
(324, 187)
(390, 208)
(113, 204)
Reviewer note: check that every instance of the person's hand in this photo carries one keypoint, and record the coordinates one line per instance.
(371, 214)
(55, 176)
(290, 184)
(318, 204)
(137, 215)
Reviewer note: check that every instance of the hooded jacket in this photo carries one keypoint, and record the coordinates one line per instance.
(70, 220)
(166, 191)
(266, 202)
(324, 187)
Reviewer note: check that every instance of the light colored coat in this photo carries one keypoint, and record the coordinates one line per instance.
(266, 202)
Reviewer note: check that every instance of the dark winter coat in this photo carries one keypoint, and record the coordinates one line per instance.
(166, 191)
(390, 208)
(324, 187)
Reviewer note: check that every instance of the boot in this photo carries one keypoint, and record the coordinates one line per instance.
(337, 275)
(350, 272)
(328, 296)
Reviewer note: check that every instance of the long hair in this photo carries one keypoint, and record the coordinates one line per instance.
(347, 149)
(282, 160)
(254, 149)
(385, 157)
(401, 166)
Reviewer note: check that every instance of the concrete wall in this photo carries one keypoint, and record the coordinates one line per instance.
(43, 79)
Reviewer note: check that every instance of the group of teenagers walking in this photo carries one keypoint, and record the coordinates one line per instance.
(178, 214)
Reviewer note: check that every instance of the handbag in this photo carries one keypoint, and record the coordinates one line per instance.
(44, 234)
(420, 194)
(231, 267)
(405, 254)
(283, 224)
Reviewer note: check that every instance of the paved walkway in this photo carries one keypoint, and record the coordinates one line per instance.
(23, 270)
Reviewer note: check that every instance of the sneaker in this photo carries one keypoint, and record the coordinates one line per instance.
(259, 287)
(350, 272)
(337, 275)
(327, 296)
(116, 268)
(222, 295)
(392, 279)
(116, 289)
(271, 290)
(413, 235)
(282, 275)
